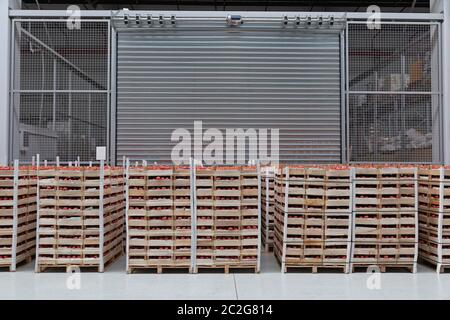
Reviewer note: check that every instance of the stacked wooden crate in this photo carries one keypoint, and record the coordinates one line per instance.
(182, 217)
(159, 218)
(80, 217)
(113, 207)
(434, 216)
(385, 230)
(313, 217)
(267, 207)
(17, 216)
(227, 218)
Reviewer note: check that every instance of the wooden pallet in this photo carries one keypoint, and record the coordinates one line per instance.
(160, 269)
(383, 268)
(344, 268)
(67, 268)
(227, 269)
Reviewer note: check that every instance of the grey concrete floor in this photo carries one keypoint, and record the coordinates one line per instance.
(270, 284)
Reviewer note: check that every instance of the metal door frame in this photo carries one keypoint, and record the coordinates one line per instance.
(268, 17)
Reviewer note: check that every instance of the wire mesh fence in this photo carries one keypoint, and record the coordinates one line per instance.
(60, 89)
(394, 93)
(393, 128)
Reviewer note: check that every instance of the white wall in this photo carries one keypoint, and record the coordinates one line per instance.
(5, 26)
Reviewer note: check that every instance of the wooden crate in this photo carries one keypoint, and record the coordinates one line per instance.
(385, 226)
(316, 190)
(434, 189)
(17, 206)
(385, 172)
(434, 253)
(318, 254)
(434, 216)
(385, 188)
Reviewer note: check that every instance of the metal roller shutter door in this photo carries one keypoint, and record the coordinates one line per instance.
(268, 78)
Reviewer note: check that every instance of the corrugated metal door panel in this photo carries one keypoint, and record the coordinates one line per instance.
(270, 78)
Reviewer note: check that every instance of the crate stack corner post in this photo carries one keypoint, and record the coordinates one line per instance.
(183, 217)
(135, 217)
(267, 207)
(80, 217)
(313, 217)
(434, 213)
(17, 215)
(385, 217)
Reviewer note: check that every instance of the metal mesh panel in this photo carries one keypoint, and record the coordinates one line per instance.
(394, 93)
(60, 89)
(392, 128)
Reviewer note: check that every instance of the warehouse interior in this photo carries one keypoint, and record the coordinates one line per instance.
(125, 75)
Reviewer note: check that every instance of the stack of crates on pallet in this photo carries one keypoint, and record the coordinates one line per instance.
(17, 216)
(80, 217)
(267, 207)
(434, 216)
(385, 217)
(159, 218)
(313, 217)
(227, 218)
